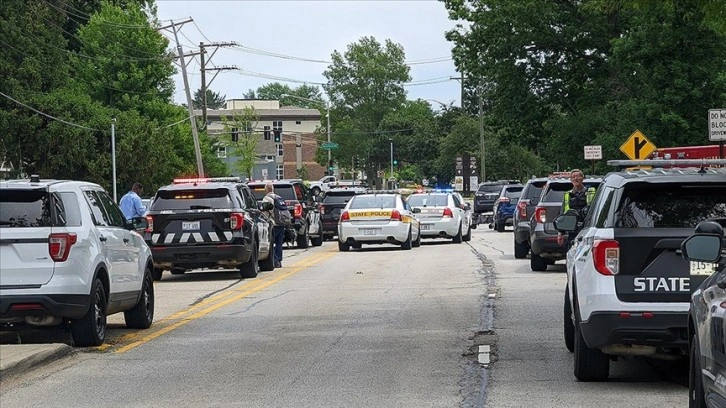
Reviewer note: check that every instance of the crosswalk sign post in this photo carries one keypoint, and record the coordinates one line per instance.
(637, 147)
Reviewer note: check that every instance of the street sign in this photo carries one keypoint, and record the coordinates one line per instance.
(329, 146)
(425, 182)
(717, 124)
(637, 147)
(459, 183)
(474, 182)
(593, 152)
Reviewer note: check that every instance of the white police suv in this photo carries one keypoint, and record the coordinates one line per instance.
(67, 254)
(628, 287)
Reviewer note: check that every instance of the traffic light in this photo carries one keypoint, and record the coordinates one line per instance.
(355, 162)
(330, 167)
(267, 133)
(235, 135)
(395, 162)
(278, 135)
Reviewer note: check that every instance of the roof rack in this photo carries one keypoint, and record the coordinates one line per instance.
(668, 163)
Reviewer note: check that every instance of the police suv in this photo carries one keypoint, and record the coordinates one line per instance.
(628, 287)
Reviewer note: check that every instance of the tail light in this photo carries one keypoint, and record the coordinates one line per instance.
(59, 245)
(540, 215)
(236, 221)
(297, 212)
(395, 215)
(522, 209)
(322, 209)
(149, 223)
(448, 213)
(606, 256)
(345, 216)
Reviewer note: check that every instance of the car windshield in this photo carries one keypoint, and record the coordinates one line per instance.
(192, 199)
(337, 198)
(556, 191)
(285, 191)
(514, 192)
(372, 201)
(646, 205)
(491, 188)
(534, 189)
(428, 200)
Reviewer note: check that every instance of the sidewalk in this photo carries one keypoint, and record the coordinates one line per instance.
(17, 358)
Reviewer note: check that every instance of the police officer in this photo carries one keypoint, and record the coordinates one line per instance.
(576, 199)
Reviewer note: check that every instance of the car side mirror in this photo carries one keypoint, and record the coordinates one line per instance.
(467, 207)
(266, 206)
(137, 223)
(566, 222)
(702, 248)
(416, 210)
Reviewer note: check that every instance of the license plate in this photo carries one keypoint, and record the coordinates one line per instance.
(702, 268)
(190, 225)
(425, 226)
(369, 231)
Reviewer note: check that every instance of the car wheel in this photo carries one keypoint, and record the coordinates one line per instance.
(90, 330)
(590, 364)
(250, 268)
(407, 244)
(343, 247)
(315, 191)
(142, 314)
(269, 263)
(457, 238)
(303, 240)
(696, 396)
(317, 241)
(537, 263)
(569, 328)
(499, 226)
(520, 250)
(417, 242)
(467, 237)
(156, 273)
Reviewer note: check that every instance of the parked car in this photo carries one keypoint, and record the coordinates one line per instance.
(484, 198)
(505, 206)
(307, 226)
(208, 223)
(442, 215)
(706, 328)
(543, 236)
(628, 287)
(334, 200)
(525, 209)
(69, 255)
(329, 182)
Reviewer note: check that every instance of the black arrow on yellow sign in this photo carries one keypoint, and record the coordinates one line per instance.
(638, 147)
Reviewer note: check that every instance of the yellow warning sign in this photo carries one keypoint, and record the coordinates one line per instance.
(637, 147)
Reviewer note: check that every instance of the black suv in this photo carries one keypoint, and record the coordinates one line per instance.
(208, 223)
(334, 201)
(525, 209)
(307, 228)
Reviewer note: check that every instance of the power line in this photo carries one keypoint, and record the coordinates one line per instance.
(47, 115)
(83, 15)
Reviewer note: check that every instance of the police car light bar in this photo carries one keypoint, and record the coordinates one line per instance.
(206, 180)
(668, 163)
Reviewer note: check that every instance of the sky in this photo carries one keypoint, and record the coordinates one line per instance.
(310, 30)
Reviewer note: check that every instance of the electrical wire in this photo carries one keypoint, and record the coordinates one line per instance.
(83, 15)
(49, 116)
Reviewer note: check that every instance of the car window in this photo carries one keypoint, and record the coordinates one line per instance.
(114, 216)
(372, 201)
(555, 192)
(192, 199)
(94, 204)
(513, 192)
(248, 198)
(534, 190)
(299, 193)
(337, 198)
(489, 188)
(672, 205)
(25, 208)
(69, 212)
(428, 200)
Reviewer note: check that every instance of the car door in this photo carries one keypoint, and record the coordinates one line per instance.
(458, 208)
(263, 226)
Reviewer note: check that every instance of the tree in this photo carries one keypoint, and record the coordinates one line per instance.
(215, 100)
(240, 134)
(250, 94)
(275, 90)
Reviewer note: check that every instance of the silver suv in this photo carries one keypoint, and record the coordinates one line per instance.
(68, 255)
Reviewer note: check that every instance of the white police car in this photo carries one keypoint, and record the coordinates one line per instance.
(442, 215)
(378, 218)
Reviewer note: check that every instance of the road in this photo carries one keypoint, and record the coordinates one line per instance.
(380, 327)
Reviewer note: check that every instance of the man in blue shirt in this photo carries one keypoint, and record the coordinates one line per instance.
(131, 204)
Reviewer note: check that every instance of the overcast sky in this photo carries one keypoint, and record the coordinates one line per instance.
(311, 30)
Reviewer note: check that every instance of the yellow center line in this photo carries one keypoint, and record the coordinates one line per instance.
(241, 293)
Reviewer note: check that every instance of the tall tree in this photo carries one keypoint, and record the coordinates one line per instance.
(275, 90)
(215, 100)
(241, 136)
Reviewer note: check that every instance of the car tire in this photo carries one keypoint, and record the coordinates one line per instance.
(303, 241)
(357, 245)
(90, 330)
(499, 226)
(343, 247)
(590, 364)
(318, 241)
(250, 268)
(458, 238)
(568, 327)
(407, 244)
(467, 237)
(537, 263)
(142, 314)
(315, 190)
(269, 263)
(520, 250)
(156, 273)
(696, 395)
(417, 242)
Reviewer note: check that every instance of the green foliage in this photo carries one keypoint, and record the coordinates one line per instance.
(276, 90)
(245, 147)
(215, 100)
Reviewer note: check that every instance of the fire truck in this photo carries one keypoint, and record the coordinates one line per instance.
(688, 152)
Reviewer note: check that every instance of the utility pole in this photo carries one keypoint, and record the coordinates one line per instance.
(195, 132)
(113, 156)
(482, 151)
(462, 87)
(203, 68)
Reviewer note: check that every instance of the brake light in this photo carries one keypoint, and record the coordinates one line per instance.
(395, 215)
(345, 216)
(59, 245)
(21, 307)
(236, 221)
(298, 210)
(540, 215)
(322, 209)
(606, 256)
(149, 223)
(448, 213)
(522, 209)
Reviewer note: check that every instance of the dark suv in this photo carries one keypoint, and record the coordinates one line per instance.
(525, 208)
(307, 227)
(208, 223)
(334, 201)
(543, 236)
(505, 205)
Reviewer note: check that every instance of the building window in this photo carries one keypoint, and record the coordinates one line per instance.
(267, 133)
(222, 152)
(297, 122)
(279, 149)
(276, 125)
(280, 172)
(269, 159)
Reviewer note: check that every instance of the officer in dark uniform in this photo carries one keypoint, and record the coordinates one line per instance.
(575, 200)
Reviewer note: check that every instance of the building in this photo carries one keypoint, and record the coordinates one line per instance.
(294, 157)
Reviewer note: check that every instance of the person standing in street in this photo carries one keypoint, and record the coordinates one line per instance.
(576, 199)
(131, 204)
(278, 231)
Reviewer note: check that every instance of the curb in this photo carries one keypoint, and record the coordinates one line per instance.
(18, 359)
